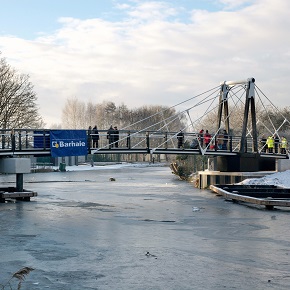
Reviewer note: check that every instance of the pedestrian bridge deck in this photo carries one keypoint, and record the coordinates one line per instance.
(37, 142)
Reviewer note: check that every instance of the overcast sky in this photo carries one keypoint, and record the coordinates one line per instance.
(145, 52)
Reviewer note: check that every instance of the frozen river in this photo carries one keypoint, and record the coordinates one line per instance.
(84, 231)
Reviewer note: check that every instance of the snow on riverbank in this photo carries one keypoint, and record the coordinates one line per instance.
(102, 166)
(278, 179)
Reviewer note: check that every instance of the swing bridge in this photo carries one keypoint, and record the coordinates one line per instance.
(222, 102)
(232, 102)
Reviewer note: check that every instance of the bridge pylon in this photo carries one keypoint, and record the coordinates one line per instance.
(223, 111)
(245, 160)
(224, 107)
(249, 104)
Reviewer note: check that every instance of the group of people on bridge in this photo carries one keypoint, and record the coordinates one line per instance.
(204, 140)
(112, 136)
(273, 144)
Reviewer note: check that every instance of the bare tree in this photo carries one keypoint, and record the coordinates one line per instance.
(91, 114)
(18, 108)
(55, 126)
(73, 114)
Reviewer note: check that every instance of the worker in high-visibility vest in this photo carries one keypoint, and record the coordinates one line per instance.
(270, 144)
(284, 145)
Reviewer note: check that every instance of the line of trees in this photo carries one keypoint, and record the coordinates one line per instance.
(78, 114)
(18, 107)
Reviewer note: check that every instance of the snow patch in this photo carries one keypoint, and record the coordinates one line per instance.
(278, 179)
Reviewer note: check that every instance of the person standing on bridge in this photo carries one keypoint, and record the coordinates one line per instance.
(270, 144)
(284, 145)
(116, 137)
(110, 136)
(180, 139)
(219, 140)
(212, 146)
(95, 137)
(225, 141)
(200, 137)
(207, 137)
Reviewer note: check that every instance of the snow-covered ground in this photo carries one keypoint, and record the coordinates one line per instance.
(279, 179)
(102, 166)
(83, 167)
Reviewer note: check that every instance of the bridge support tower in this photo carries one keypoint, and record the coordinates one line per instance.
(247, 162)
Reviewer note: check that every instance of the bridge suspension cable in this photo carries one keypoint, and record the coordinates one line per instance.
(178, 104)
(173, 118)
(235, 92)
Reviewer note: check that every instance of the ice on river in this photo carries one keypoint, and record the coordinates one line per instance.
(144, 230)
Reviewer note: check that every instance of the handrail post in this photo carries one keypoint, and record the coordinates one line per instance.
(231, 143)
(12, 140)
(26, 139)
(44, 140)
(166, 138)
(129, 140)
(19, 141)
(3, 141)
(147, 142)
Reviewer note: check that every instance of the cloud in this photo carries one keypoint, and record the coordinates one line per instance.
(151, 11)
(152, 56)
(236, 4)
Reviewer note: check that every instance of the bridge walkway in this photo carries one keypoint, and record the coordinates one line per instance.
(23, 142)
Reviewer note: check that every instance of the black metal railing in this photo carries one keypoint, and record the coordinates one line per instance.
(37, 141)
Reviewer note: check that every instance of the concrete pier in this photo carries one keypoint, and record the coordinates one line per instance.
(207, 178)
(235, 169)
(17, 166)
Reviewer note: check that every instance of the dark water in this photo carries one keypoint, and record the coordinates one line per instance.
(84, 231)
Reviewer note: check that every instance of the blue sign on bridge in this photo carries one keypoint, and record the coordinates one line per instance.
(68, 143)
(41, 139)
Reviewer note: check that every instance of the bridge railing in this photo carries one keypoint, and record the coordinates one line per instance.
(38, 140)
(31, 139)
(131, 139)
(19, 140)
(167, 140)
